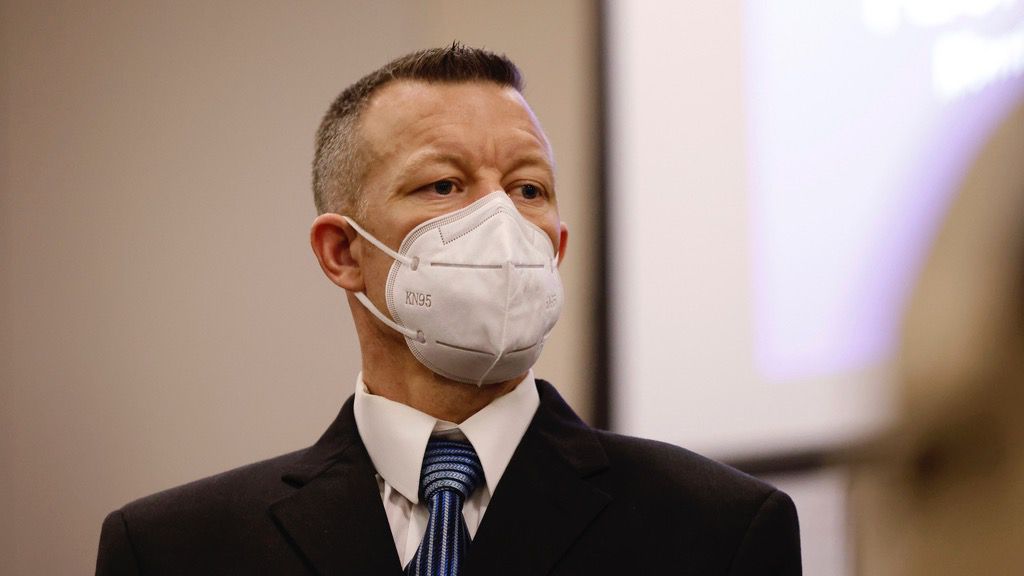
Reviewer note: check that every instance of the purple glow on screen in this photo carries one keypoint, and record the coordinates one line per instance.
(863, 117)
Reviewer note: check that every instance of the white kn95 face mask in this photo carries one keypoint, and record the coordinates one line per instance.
(475, 292)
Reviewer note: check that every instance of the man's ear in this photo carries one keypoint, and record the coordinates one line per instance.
(563, 240)
(336, 246)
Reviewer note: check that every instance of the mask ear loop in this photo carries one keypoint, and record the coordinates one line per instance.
(407, 332)
(413, 262)
(363, 299)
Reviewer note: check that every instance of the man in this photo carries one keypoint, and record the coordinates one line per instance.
(438, 217)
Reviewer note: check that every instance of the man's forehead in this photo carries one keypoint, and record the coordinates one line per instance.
(402, 105)
(403, 91)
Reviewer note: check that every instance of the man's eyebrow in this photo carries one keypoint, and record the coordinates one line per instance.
(532, 159)
(428, 158)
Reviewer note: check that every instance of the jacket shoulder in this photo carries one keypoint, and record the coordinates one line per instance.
(259, 482)
(205, 513)
(662, 481)
(204, 526)
(741, 524)
(678, 469)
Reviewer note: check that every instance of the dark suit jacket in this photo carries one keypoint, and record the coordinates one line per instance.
(573, 500)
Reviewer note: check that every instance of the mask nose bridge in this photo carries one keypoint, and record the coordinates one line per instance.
(477, 214)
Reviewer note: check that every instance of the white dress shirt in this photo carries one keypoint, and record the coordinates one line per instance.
(396, 437)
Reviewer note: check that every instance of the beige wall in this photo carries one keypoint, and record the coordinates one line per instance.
(162, 316)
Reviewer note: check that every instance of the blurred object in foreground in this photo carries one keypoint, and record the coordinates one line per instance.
(943, 491)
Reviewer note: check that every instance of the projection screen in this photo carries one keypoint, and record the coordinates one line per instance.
(777, 170)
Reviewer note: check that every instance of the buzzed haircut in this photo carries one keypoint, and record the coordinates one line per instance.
(340, 162)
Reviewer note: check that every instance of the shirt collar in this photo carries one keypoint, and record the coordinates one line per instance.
(396, 435)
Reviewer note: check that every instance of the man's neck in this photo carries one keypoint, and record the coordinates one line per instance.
(416, 386)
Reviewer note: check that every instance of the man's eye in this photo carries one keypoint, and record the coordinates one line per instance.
(444, 187)
(530, 191)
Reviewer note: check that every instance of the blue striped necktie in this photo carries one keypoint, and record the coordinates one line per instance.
(451, 470)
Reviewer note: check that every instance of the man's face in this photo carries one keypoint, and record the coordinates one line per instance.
(435, 148)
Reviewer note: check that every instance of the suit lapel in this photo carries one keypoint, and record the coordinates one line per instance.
(543, 501)
(335, 517)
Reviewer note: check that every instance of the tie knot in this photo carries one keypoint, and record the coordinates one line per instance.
(449, 466)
